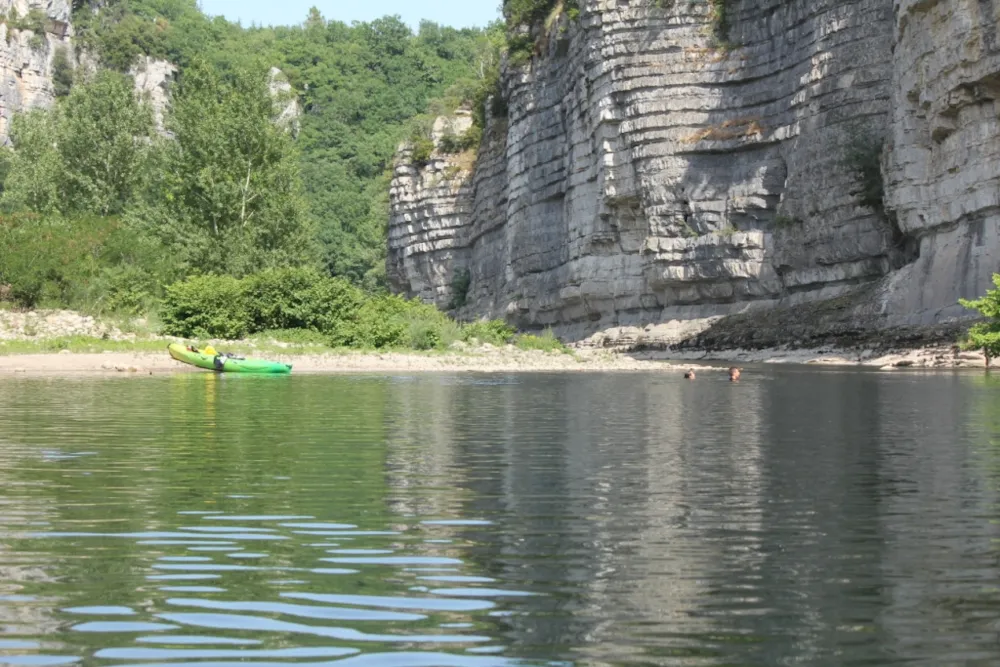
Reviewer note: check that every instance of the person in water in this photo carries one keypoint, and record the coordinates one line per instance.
(734, 374)
(689, 375)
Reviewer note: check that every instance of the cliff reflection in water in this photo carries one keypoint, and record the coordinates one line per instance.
(798, 516)
(795, 515)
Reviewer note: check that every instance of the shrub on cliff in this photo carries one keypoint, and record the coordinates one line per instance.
(985, 336)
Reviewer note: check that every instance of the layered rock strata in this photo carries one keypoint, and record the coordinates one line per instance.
(648, 171)
(26, 56)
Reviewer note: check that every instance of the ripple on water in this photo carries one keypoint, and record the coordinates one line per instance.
(215, 654)
(394, 560)
(122, 626)
(101, 611)
(259, 624)
(423, 604)
(400, 659)
(192, 589)
(612, 520)
(196, 640)
(302, 611)
(38, 660)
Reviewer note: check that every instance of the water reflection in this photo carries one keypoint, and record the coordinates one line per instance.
(767, 522)
(794, 517)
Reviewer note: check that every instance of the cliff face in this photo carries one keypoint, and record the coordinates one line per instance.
(943, 166)
(26, 58)
(645, 173)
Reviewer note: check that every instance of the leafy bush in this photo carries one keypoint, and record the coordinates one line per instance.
(298, 299)
(863, 158)
(985, 336)
(77, 262)
(452, 143)
(62, 72)
(461, 280)
(293, 336)
(423, 148)
(124, 290)
(205, 307)
(391, 321)
(494, 332)
(547, 342)
(301, 300)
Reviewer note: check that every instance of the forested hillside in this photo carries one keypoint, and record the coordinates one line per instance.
(102, 211)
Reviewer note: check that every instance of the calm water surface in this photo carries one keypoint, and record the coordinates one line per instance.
(798, 517)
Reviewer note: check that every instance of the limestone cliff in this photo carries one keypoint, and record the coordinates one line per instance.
(655, 165)
(26, 56)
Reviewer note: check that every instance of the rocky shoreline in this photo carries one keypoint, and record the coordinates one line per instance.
(758, 338)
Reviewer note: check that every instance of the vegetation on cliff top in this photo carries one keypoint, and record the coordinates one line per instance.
(358, 86)
(100, 211)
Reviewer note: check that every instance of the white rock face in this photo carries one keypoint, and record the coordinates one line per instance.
(152, 81)
(286, 99)
(944, 166)
(644, 175)
(431, 207)
(26, 58)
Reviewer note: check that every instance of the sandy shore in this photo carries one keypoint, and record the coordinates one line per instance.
(591, 355)
(501, 360)
(494, 360)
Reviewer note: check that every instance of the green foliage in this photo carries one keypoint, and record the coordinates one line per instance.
(231, 193)
(62, 72)
(494, 332)
(89, 155)
(361, 85)
(863, 158)
(720, 21)
(452, 143)
(461, 281)
(298, 299)
(277, 299)
(293, 337)
(301, 305)
(423, 148)
(94, 263)
(985, 336)
(547, 342)
(528, 12)
(230, 199)
(526, 18)
(207, 306)
(35, 21)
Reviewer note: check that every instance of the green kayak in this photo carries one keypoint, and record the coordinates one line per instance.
(223, 363)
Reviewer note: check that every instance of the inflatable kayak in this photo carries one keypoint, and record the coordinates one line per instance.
(225, 363)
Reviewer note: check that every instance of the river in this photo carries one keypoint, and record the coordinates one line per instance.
(799, 516)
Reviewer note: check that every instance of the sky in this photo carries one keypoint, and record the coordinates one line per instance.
(455, 13)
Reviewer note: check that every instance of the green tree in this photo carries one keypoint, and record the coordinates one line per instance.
(985, 336)
(105, 139)
(230, 197)
(88, 155)
(62, 72)
(35, 166)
